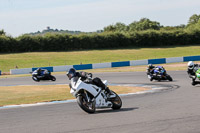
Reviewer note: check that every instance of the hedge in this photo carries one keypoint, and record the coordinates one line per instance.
(67, 42)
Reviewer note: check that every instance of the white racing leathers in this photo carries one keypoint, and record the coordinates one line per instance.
(90, 96)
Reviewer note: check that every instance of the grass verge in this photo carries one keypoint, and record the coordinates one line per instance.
(169, 67)
(15, 95)
(43, 59)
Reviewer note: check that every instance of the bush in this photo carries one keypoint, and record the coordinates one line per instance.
(105, 40)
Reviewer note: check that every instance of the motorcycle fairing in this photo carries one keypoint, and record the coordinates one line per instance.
(79, 85)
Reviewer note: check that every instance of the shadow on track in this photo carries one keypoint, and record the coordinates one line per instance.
(113, 111)
(164, 81)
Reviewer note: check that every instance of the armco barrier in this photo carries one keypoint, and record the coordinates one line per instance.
(110, 64)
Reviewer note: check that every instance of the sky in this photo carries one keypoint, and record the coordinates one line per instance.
(18, 17)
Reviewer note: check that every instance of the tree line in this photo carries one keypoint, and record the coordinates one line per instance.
(142, 33)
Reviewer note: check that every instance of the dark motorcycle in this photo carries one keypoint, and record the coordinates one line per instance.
(44, 75)
(159, 73)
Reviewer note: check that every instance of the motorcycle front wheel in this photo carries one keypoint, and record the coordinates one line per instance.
(88, 107)
(169, 78)
(53, 78)
(36, 79)
(117, 102)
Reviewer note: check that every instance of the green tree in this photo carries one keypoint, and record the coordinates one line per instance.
(110, 28)
(2, 32)
(194, 19)
(193, 24)
(144, 24)
(172, 28)
(118, 27)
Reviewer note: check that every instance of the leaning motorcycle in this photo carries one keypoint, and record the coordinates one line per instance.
(159, 73)
(45, 75)
(90, 97)
(197, 73)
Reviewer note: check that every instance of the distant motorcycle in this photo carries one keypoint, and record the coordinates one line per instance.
(197, 73)
(44, 75)
(89, 96)
(159, 73)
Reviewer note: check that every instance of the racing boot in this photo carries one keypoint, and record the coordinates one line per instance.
(193, 82)
(151, 77)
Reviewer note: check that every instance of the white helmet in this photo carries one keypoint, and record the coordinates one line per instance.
(190, 65)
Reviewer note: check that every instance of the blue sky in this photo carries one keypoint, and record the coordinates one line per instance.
(24, 16)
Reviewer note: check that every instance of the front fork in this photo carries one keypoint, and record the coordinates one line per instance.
(86, 96)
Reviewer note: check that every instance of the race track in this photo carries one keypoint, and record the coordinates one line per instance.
(171, 111)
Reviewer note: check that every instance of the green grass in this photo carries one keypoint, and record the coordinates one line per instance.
(43, 59)
(13, 95)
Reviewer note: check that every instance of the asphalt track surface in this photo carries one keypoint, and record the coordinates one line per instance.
(175, 110)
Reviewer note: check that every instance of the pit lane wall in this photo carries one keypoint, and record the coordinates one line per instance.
(110, 64)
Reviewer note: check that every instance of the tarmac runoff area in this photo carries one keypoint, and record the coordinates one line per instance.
(152, 89)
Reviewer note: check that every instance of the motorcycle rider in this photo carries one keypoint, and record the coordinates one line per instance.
(39, 72)
(150, 70)
(87, 78)
(192, 68)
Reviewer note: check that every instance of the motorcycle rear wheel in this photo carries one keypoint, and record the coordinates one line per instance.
(88, 107)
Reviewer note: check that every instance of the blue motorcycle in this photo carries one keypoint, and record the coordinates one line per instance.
(44, 75)
(159, 73)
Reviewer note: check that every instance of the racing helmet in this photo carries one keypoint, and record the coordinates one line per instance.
(71, 73)
(150, 66)
(190, 65)
(39, 69)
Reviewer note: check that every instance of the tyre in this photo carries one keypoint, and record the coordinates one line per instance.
(36, 79)
(88, 107)
(53, 78)
(117, 102)
(193, 83)
(169, 78)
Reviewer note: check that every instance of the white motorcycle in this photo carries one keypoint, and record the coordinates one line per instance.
(89, 96)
